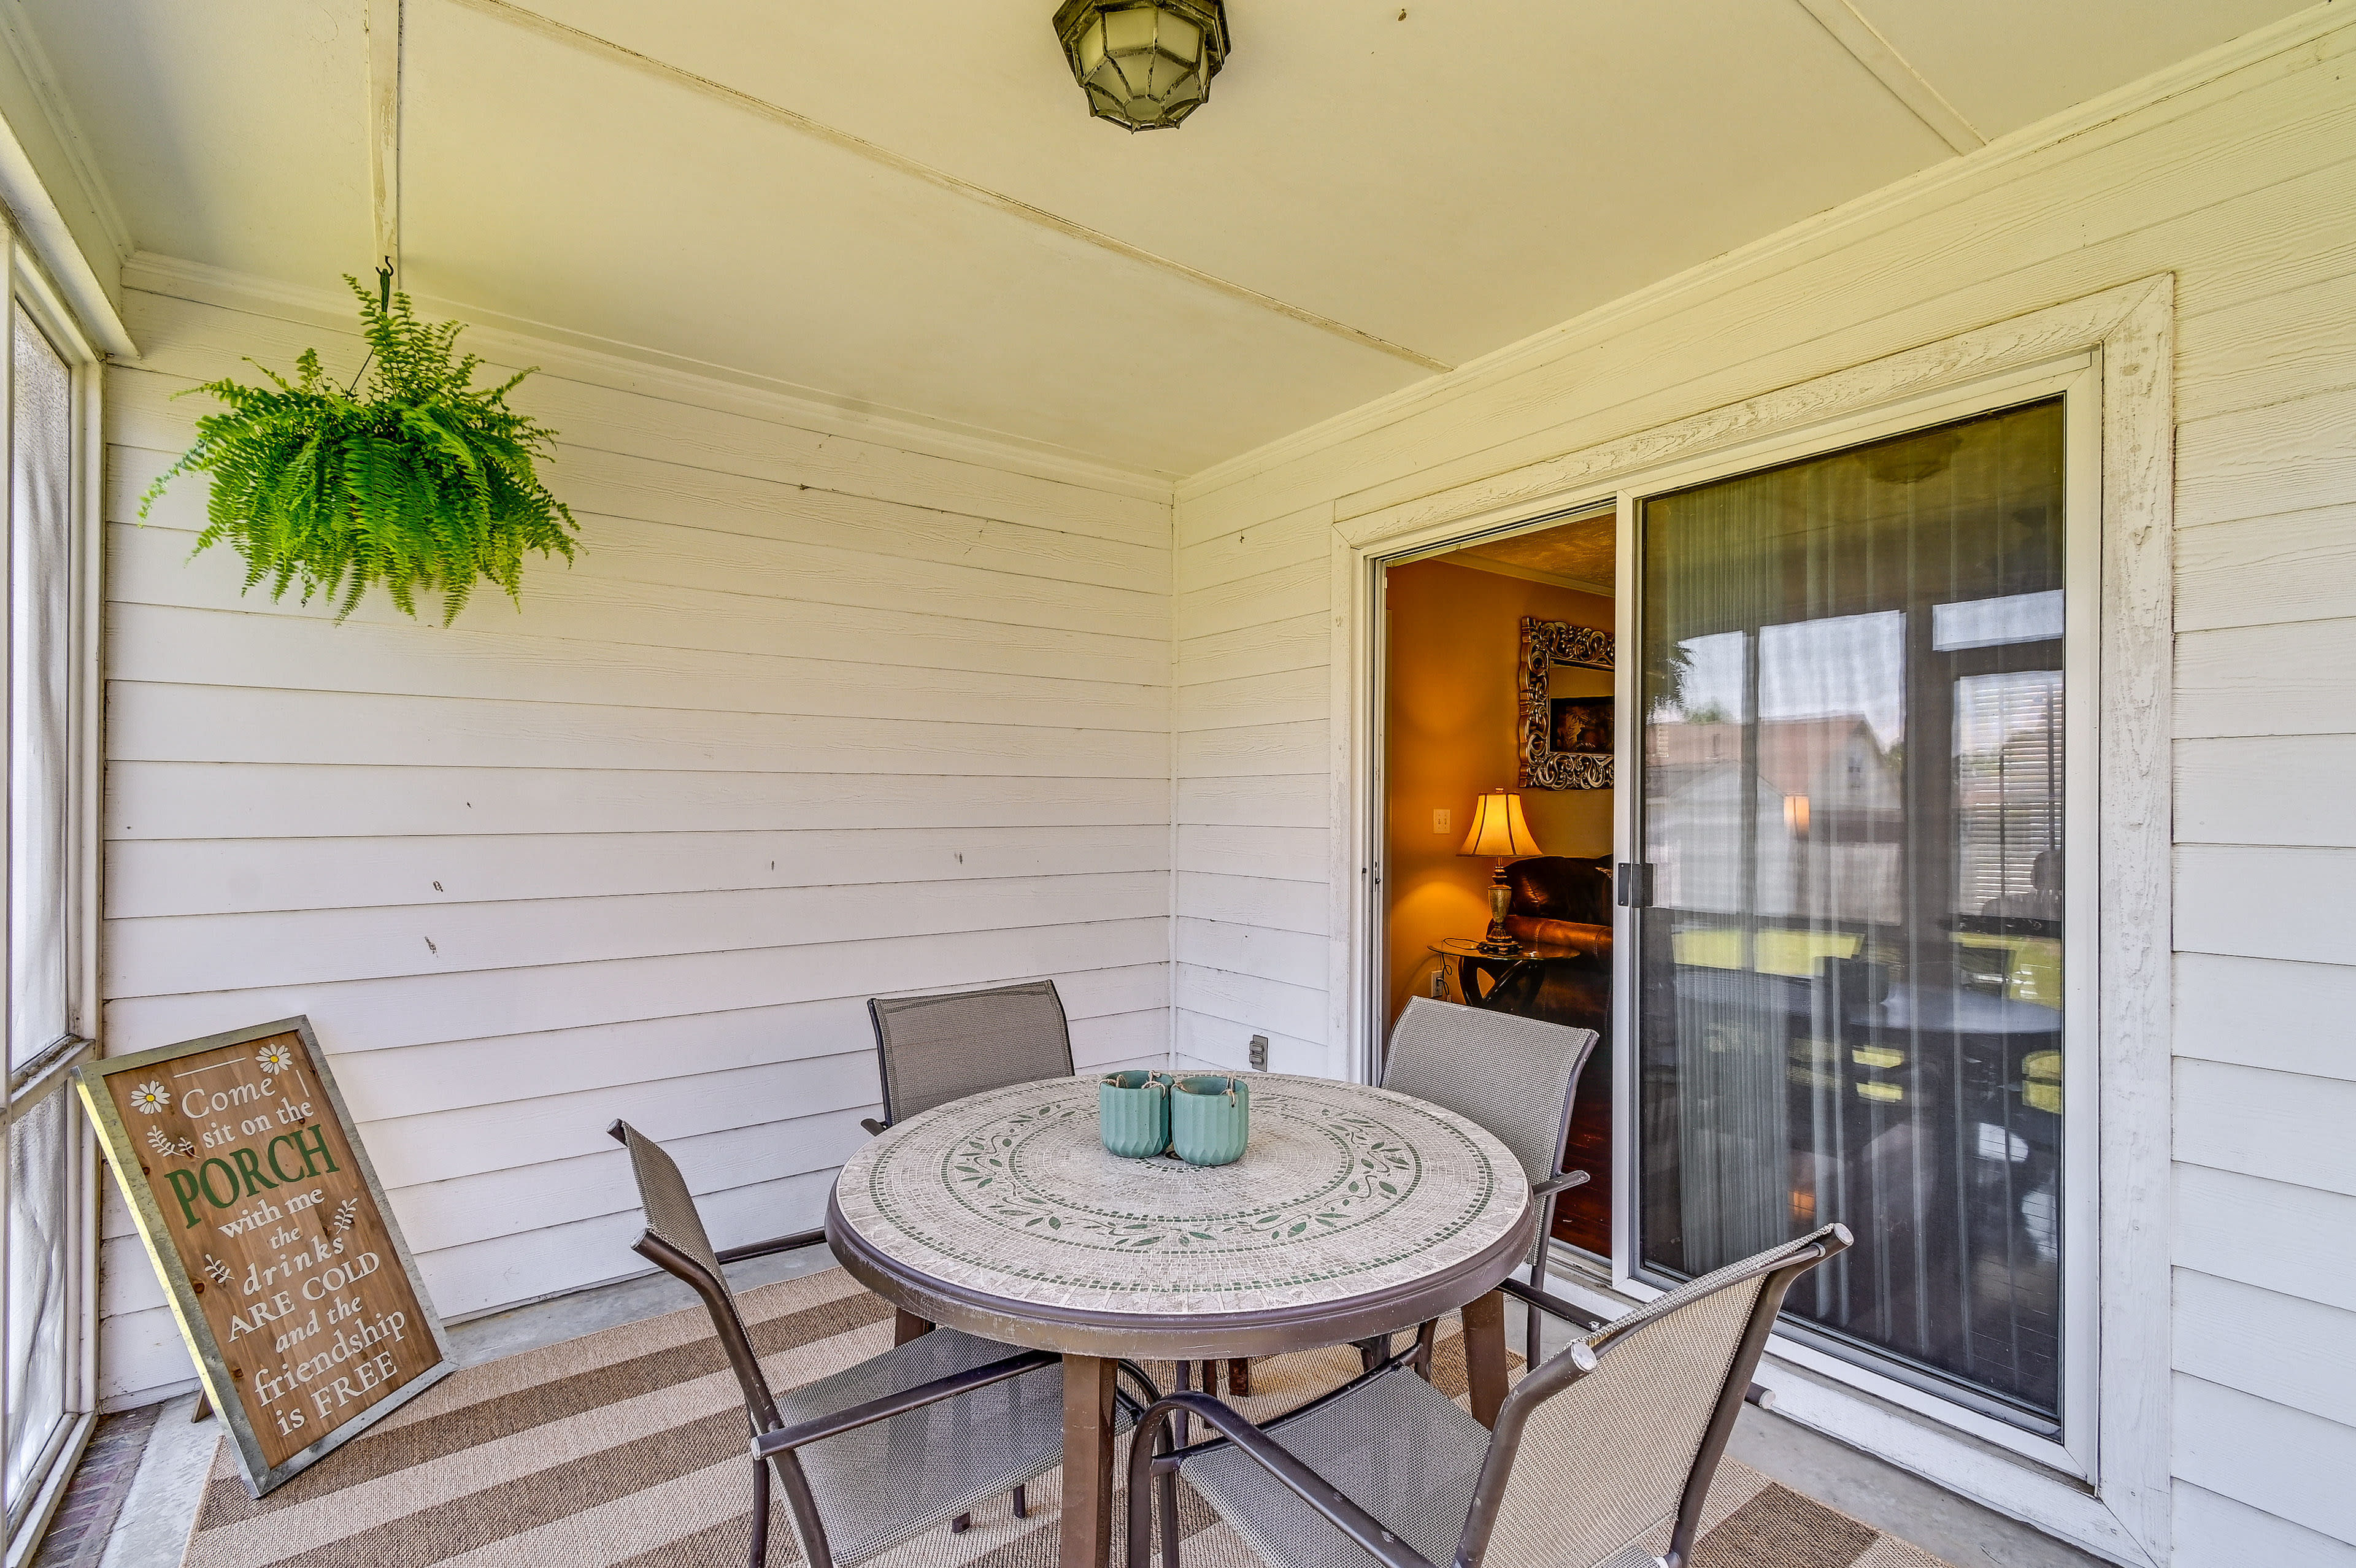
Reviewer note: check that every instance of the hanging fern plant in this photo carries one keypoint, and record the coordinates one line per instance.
(424, 484)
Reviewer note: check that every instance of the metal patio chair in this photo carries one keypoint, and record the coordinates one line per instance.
(880, 1451)
(933, 1049)
(1593, 1450)
(1516, 1076)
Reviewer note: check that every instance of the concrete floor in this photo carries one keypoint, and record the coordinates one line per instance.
(1896, 1500)
(153, 1530)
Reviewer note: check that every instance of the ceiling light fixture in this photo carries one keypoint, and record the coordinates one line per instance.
(1144, 64)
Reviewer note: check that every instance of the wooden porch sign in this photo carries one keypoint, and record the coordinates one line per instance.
(262, 1216)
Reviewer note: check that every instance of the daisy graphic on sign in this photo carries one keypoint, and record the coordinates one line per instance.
(151, 1098)
(275, 1058)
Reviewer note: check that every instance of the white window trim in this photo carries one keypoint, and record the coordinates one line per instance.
(31, 285)
(2121, 342)
(41, 297)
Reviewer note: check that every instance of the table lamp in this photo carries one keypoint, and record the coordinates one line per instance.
(1499, 829)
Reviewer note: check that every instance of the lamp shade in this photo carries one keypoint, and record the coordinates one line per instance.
(1499, 829)
(1144, 64)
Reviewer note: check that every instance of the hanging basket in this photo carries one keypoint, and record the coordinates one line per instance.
(425, 485)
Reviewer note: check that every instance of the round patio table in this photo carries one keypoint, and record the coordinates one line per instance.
(1355, 1212)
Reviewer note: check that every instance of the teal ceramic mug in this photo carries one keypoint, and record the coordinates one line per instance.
(1133, 1113)
(1210, 1119)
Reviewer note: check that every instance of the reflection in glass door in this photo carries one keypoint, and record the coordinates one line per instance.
(1848, 976)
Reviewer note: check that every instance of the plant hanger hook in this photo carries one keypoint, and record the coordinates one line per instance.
(384, 310)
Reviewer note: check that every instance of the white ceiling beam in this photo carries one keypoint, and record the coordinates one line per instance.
(25, 46)
(52, 244)
(1864, 43)
(29, 85)
(383, 23)
(778, 114)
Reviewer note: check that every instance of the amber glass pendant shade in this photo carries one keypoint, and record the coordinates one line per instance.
(1144, 64)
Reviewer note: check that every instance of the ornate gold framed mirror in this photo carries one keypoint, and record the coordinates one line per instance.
(1566, 740)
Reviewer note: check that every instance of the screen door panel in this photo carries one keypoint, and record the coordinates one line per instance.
(1849, 1002)
(44, 1316)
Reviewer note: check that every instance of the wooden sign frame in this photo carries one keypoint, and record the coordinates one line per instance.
(270, 1114)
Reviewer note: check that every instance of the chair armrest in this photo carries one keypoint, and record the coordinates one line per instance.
(768, 1444)
(872, 1125)
(1554, 1306)
(773, 1245)
(1306, 1484)
(1563, 1183)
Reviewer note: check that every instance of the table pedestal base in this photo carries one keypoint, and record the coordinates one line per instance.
(1484, 1354)
(1087, 1460)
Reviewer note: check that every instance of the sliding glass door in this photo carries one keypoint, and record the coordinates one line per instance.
(1848, 970)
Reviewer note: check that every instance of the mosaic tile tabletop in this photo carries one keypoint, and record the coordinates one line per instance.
(1344, 1190)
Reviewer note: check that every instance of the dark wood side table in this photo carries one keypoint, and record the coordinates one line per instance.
(1487, 971)
(1355, 1212)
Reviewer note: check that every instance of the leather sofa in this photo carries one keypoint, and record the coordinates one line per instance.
(1560, 902)
(1562, 911)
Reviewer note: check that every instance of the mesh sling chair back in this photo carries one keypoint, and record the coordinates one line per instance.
(933, 1049)
(1516, 1076)
(879, 1452)
(1595, 1450)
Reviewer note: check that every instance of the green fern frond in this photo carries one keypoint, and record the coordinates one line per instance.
(425, 485)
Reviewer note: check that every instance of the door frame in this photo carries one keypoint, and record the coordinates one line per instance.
(2124, 339)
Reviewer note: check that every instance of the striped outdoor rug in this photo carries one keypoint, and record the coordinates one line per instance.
(626, 1449)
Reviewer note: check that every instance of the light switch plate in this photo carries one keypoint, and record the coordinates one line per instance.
(1443, 820)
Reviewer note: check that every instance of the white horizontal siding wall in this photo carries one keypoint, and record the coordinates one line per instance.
(2243, 184)
(817, 716)
(1254, 794)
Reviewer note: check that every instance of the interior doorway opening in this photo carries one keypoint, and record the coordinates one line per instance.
(1497, 676)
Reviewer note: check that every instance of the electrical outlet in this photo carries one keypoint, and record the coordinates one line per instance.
(1259, 1054)
(1443, 820)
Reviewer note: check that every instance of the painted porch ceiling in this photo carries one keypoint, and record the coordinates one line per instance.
(1445, 183)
